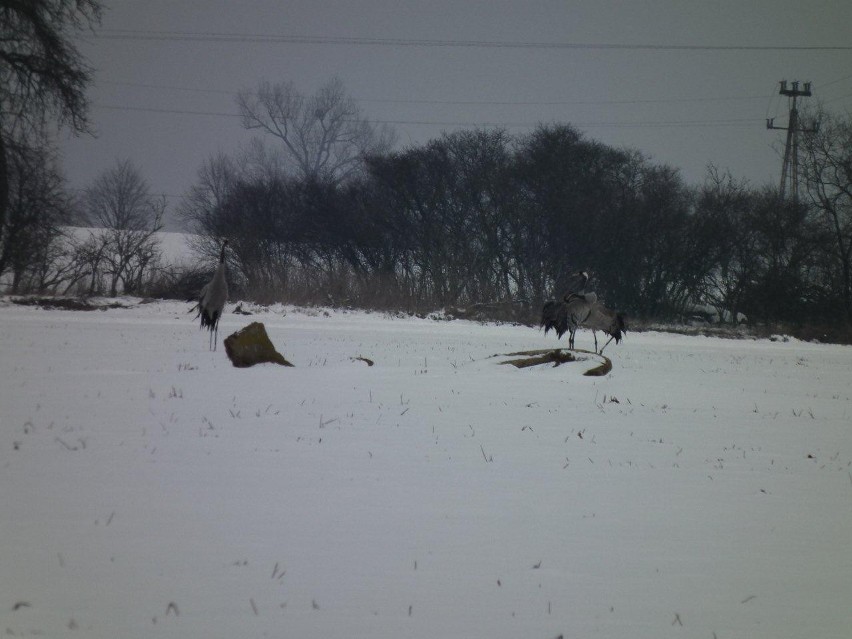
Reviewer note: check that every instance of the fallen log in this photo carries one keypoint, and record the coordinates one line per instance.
(556, 357)
(525, 359)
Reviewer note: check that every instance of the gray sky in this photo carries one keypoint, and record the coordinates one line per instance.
(165, 99)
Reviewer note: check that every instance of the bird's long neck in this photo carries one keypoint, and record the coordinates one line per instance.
(219, 275)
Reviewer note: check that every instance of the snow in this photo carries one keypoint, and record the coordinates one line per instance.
(149, 489)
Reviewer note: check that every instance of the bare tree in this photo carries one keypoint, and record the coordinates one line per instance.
(119, 201)
(42, 75)
(200, 206)
(324, 135)
(721, 244)
(827, 173)
(38, 206)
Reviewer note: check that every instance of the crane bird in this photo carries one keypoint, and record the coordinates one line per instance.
(212, 300)
(582, 309)
(607, 320)
(565, 316)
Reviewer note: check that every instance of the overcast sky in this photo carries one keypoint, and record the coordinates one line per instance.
(687, 83)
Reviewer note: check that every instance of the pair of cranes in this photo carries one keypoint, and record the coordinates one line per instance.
(574, 310)
(578, 309)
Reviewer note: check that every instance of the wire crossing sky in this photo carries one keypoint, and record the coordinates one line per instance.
(128, 34)
(687, 83)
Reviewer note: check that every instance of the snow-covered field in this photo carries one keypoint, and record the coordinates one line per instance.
(149, 489)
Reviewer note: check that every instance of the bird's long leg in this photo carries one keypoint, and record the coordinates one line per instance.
(605, 345)
(595, 335)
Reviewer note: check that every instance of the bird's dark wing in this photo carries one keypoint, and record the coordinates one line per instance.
(555, 315)
(604, 319)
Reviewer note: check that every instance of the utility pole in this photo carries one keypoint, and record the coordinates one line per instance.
(790, 167)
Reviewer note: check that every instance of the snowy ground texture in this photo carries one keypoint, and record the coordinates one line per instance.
(149, 489)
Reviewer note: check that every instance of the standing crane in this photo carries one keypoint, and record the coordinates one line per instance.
(570, 312)
(212, 300)
(604, 319)
(565, 316)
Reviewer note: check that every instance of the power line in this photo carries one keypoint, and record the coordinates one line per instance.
(735, 122)
(467, 102)
(169, 87)
(243, 38)
(839, 97)
(559, 102)
(116, 107)
(639, 124)
(82, 190)
(772, 104)
(828, 84)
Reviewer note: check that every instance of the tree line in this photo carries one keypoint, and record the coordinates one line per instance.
(323, 206)
(485, 216)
